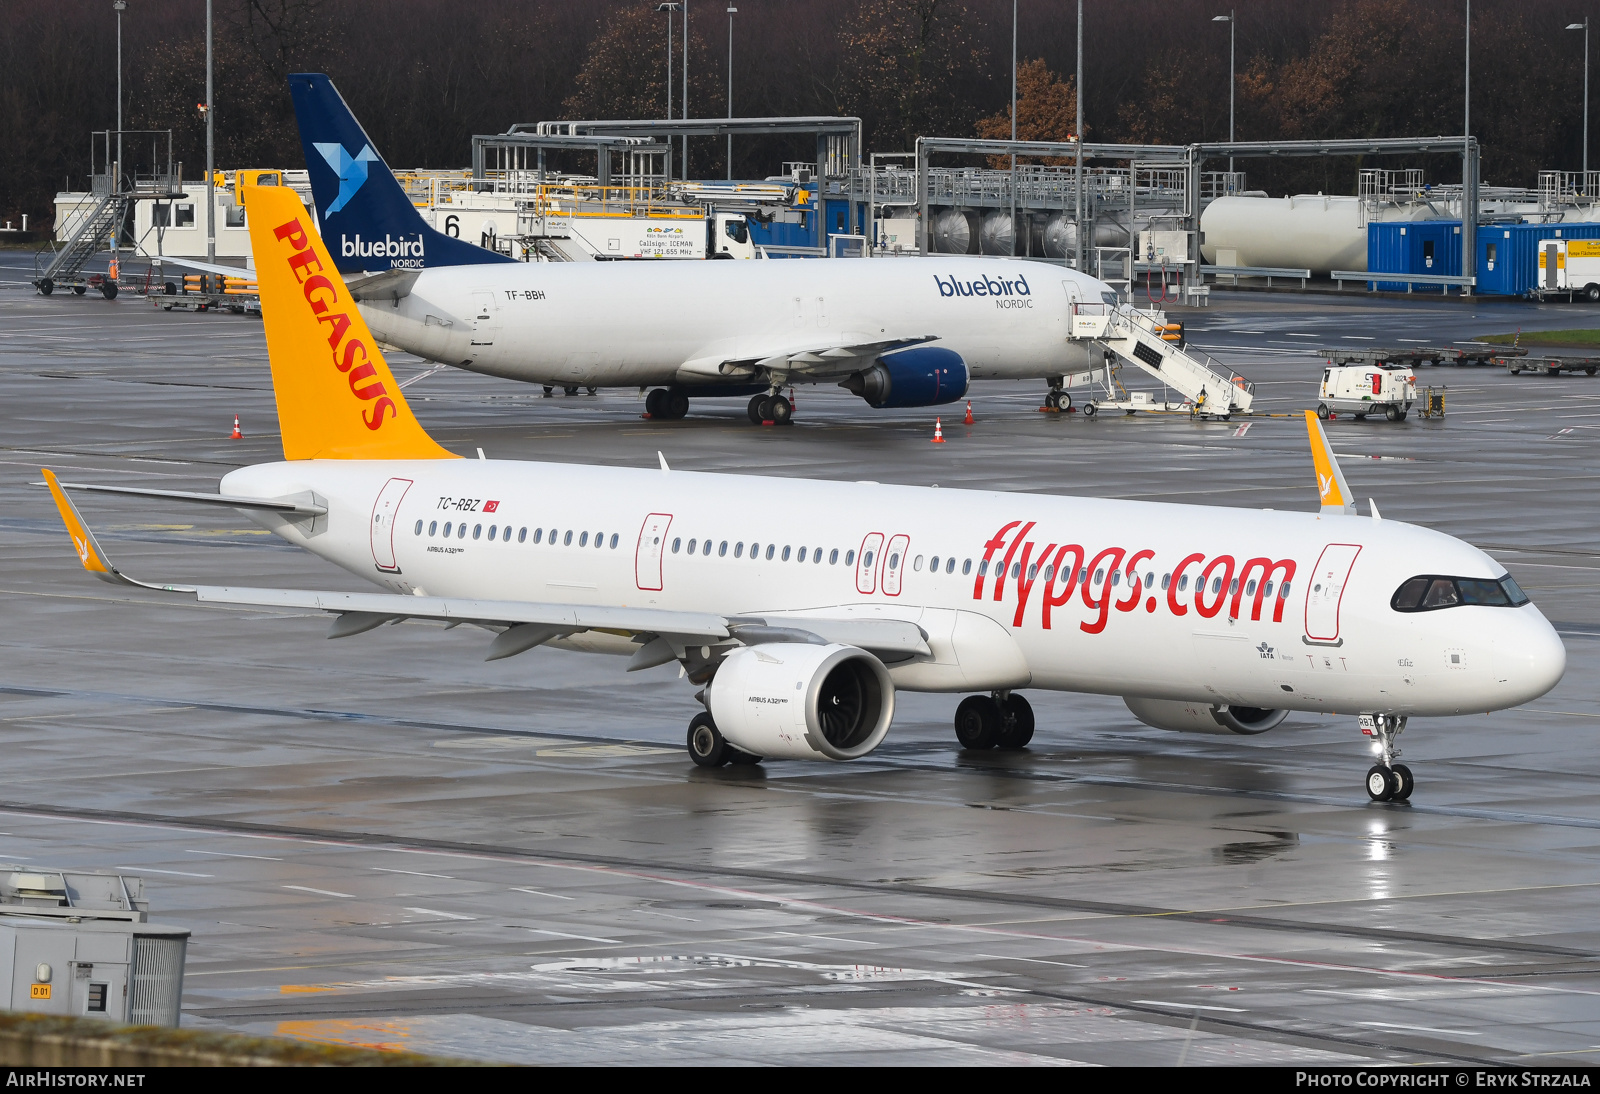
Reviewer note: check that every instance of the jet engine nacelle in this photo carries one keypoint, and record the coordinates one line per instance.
(793, 701)
(1203, 717)
(922, 376)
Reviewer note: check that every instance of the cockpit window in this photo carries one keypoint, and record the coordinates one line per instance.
(1429, 593)
(1109, 298)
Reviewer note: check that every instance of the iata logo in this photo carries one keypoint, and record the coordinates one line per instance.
(1266, 651)
(352, 171)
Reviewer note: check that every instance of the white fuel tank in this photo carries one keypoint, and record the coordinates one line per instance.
(1318, 232)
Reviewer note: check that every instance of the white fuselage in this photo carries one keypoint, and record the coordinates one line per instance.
(648, 323)
(1139, 626)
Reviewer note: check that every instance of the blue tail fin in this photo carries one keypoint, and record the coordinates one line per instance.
(367, 221)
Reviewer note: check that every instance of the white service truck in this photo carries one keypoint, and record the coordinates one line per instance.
(1360, 390)
(1570, 268)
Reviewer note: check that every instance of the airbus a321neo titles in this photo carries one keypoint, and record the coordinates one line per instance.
(798, 622)
(897, 332)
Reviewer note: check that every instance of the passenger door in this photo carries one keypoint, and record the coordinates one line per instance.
(647, 557)
(1325, 589)
(894, 564)
(385, 511)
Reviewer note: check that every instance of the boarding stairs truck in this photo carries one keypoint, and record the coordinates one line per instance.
(1209, 388)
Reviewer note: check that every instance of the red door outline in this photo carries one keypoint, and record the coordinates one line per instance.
(867, 570)
(385, 511)
(647, 555)
(1332, 575)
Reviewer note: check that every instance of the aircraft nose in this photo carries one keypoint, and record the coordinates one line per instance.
(1530, 656)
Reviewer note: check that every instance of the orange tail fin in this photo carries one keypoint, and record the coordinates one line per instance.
(336, 397)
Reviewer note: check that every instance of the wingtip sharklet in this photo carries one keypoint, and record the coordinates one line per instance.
(83, 542)
(1332, 490)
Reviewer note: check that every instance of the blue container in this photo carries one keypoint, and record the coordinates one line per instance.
(1417, 247)
(1508, 254)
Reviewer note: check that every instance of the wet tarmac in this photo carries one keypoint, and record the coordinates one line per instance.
(385, 840)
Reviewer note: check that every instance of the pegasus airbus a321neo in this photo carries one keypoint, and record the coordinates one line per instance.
(798, 622)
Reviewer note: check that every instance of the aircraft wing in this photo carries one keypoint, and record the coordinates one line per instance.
(383, 285)
(246, 271)
(664, 635)
(818, 359)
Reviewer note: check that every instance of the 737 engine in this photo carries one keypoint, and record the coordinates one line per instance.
(922, 376)
(1203, 717)
(791, 700)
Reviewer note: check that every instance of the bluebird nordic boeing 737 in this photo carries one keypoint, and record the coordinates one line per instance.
(898, 332)
(799, 621)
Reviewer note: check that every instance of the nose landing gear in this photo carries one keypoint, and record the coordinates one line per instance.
(1386, 780)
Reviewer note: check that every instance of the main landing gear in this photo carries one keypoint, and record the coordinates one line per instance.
(771, 407)
(666, 404)
(1387, 781)
(709, 748)
(1001, 720)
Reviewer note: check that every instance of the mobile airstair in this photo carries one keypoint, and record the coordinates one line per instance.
(64, 268)
(1209, 388)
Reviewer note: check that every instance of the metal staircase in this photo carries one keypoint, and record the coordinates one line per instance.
(67, 264)
(1212, 389)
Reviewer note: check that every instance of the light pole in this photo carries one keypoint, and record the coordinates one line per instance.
(685, 87)
(119, 6)
(1584, 26)
(1232, 22)
(732, 11)
(211, 167)
(1077, 94)
(669, 8)
(1014, 127)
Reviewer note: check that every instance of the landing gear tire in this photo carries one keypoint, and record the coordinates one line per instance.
(570, 389)
(1017, 730)
(676, 405)
(1403, 776)
(1382, 783)
(738, 757)
(1058, 400)
(757, 409)
(591, 390)
(653, 402)
(979, 722)
(707, 746)
(780, 411)
(549, 390)
(1322, 411)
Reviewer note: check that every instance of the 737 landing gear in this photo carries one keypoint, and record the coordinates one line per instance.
(666, 404)
(709, 748)
(1001, 720)
(771, 407)
(1056, 399)
(1386, 780)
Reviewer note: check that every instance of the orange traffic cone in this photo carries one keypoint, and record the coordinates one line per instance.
(938, 432)
(968, 420)
(237, 436)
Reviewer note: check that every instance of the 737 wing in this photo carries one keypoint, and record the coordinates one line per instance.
(818, 359)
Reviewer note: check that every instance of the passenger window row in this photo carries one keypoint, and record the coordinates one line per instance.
(703, 548)
(459, 531)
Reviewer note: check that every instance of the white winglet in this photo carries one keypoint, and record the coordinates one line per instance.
(1374, 507)
(663, 460)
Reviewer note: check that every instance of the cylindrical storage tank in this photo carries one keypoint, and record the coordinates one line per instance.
(998, 235)
(955, 232)
(1307, 231)
(1060, 237)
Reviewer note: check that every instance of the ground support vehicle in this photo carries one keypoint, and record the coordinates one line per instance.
(1552, 366)
(1360, 390)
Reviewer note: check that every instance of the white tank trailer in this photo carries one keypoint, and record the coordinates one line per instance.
(1323, 232)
